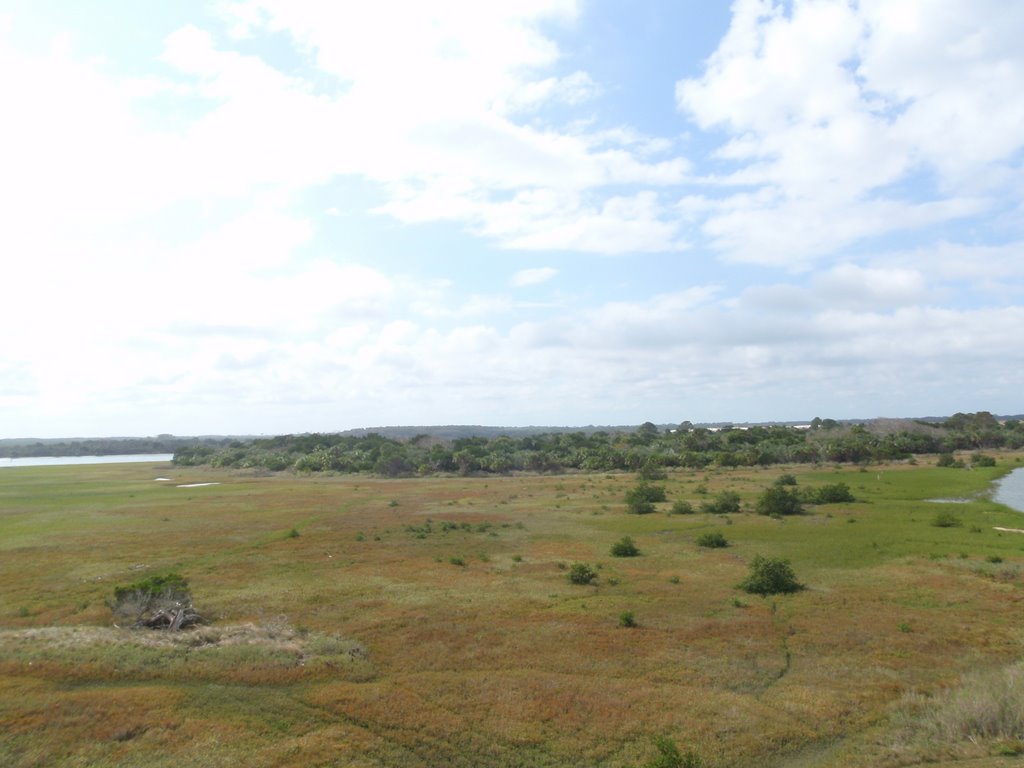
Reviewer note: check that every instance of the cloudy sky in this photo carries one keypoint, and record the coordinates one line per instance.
(272, 216)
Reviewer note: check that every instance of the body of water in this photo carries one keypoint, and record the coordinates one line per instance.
(1010, 490)
(52, 461)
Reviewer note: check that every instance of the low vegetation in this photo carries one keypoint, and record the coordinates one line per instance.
(486, 621)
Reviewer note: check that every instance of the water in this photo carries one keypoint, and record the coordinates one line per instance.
(1010, 490)
(53, 461)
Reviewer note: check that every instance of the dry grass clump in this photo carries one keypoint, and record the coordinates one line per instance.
(268, 652)
(984, 714)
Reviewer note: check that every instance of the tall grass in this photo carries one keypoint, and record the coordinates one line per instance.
(985, 709)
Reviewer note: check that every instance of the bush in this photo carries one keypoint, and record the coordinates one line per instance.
(669, 756)
(626, 619)
(713, 540)
(834, 493)
(645, 492)
(625, 547)
(153, 594)
(981, 460)
(785, 480)
(946, 520)
(581, 573)
(724, 503)
(948, 460)
(681, 508)
(640, 507)
(770, 576)
(652, 471)
(777, 500)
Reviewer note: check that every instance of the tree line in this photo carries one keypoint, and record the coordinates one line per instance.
(824, 440)
(107, 446)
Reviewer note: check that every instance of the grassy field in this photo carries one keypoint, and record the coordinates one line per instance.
(429, 622)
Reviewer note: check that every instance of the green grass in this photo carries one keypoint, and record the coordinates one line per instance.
(359, 643)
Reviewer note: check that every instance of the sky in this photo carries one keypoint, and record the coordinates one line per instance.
(275, 216)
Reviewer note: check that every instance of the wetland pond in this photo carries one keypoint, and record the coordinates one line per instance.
(53, 461)
(1010, 490)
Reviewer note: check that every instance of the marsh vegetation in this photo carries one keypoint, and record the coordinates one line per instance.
(490, 621)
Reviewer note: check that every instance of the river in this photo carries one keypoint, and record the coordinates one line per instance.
(53, 461)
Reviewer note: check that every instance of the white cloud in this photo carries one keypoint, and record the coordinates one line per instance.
(440, 133)
(829, 105)
(534, 276)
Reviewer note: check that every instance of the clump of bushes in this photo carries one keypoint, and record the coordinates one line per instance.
(779, 500)
(642, 498)
(724, 503)
(625, 547)
(770, 576)
(949, 460)
(982, 460)
(581, 573)
(833, 493)
(627, 619)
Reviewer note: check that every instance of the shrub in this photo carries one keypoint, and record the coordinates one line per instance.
(724, 503)
(946, 520)
(834, 493)
(640, 507)
(778, 500)
(645, 492)
(948, 460)
(626, 619)
(652, 471)
(770, 576)
(681, 508)
(785, 480)
(624, 547)
(153, 594)
(669, 756)
(713, 540)
(981, 460)
(581, 573)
